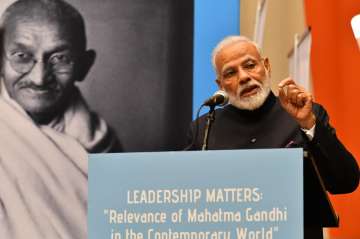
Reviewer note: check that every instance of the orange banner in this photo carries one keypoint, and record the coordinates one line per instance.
(335, 62)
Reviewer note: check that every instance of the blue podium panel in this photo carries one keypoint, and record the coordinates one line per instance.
(235, 194)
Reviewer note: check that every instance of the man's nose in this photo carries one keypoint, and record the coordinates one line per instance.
(243, 76)
(39, 74)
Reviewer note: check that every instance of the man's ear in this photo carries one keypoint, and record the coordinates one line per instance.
(267, 65)
(218, 82)
(84, 64)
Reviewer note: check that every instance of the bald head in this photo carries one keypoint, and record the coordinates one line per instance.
(56, 12)
(43, 55)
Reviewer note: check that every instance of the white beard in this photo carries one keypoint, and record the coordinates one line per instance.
(252, 102)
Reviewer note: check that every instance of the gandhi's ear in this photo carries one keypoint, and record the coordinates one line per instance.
(1, 47)
(84, 64)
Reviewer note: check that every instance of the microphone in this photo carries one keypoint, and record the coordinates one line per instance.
(220, 97)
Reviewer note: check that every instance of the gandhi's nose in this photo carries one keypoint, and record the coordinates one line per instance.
(39, 74)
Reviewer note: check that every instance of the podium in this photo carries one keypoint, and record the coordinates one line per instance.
(224, 194)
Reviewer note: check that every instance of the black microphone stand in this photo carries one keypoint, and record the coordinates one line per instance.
(209, 119)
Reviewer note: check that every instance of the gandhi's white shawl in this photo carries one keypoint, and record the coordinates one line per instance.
(43, 180)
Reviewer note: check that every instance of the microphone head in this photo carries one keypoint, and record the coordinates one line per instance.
(220, 97)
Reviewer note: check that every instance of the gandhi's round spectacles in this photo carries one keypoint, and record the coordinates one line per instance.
(23, 62)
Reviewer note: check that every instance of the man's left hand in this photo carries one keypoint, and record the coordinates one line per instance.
(297, 102)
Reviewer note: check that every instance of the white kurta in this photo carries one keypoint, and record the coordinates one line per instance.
(43, 180)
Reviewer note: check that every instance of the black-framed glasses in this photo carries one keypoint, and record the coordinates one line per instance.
(23, 62)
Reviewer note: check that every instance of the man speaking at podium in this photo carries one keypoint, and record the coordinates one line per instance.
(256, 118)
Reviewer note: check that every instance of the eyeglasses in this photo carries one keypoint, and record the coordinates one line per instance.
(23, 62)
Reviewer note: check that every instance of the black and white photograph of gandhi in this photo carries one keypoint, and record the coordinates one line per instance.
(79, 77)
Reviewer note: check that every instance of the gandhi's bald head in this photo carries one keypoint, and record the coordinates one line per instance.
(56, 12)
(43, 54)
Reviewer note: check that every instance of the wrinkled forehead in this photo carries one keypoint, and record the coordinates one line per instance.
(39, 29)
(237, 51)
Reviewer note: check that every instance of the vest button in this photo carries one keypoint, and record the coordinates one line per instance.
(253, 140)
